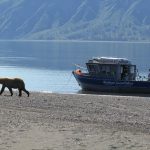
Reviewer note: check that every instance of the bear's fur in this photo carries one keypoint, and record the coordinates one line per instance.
(15, 83)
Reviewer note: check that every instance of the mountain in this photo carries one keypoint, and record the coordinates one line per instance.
(123, 20)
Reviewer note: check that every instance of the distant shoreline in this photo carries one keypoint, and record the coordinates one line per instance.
(78, 41)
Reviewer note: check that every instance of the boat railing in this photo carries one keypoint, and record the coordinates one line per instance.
(140, 77)
(81, 67)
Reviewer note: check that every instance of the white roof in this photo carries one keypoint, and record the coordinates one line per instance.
(110, 60)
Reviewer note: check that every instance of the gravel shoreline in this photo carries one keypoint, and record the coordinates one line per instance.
(85, 115)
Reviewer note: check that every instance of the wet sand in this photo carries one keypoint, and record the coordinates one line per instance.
(47, 121)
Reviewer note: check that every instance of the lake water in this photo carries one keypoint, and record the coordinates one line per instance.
(47, 65)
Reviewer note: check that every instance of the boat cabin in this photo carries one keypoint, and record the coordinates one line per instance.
(112, 68)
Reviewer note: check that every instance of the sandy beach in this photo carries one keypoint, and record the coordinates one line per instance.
(46, 121)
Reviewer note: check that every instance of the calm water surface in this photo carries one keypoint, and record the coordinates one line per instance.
(47, 66)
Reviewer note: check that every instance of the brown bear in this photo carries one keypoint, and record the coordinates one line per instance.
(15, 83)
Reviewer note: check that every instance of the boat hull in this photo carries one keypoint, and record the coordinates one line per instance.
(90, 83)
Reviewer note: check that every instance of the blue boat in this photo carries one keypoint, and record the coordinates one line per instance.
(107, 74)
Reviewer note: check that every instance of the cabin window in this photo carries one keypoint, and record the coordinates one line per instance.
(103, 68)
(132, 69)
(127, 72)
(107, 69)
(113, 70)
(92, 68)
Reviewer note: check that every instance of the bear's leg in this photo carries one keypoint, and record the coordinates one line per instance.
(20, 92)
(11, 91)
(2, 89)
(27, 92)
